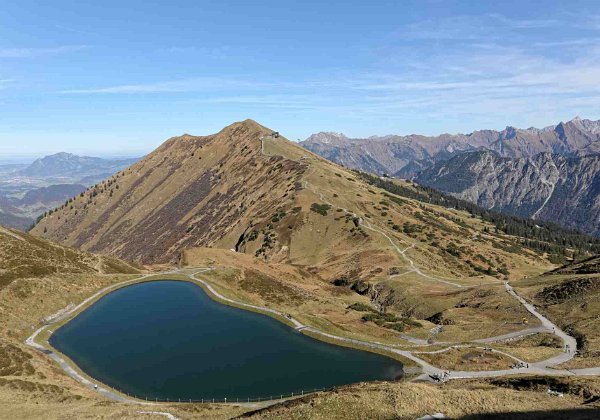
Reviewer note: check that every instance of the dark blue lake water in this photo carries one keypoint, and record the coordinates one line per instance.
(168, 339)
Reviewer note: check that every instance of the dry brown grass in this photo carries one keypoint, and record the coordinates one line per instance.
(23, 255)
(411, 400)
(470, 359)
(532, 348)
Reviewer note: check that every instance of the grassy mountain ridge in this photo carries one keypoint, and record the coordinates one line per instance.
(252, 191)
(23, 255)
(260, 194)
(178, 197)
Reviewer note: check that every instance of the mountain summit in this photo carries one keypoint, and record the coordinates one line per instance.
(249, 189)
(190, 191)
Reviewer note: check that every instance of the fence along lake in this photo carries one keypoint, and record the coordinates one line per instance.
(168, 339)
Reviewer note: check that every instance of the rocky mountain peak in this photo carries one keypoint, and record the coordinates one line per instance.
(509, 133)
(327, 137)
(589, 126)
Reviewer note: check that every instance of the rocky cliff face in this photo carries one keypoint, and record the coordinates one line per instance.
(547, 186)
(390, 154)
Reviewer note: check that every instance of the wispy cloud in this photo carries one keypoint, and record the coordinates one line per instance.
(289, 101)
(28, 52)
(476, 82)
(488, 26)
(200, 50)
(523, 23)
(4, 82)
(174, 86)
(202, 84)
(475, 67)
(75, 30)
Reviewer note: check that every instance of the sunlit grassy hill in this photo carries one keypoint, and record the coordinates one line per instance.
(249, 189)
(23, 255)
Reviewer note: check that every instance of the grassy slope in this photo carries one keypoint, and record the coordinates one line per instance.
(191, 191)
(23, 255)
(268, 199)
(435, 228)
(454, 400)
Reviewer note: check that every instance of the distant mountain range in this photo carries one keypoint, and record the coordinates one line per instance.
(549, 174)
(71, 166)
(404, 156)
(27, 191)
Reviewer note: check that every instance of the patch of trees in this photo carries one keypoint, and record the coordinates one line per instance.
(383, 319)
(538, 235)
(280, 214)
(320, 208)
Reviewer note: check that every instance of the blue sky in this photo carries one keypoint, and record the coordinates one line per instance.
(119, 77)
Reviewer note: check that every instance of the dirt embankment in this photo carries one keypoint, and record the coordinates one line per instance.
(567, 290)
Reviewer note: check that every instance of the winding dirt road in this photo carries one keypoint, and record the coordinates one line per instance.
(540, 368)
(429, 371)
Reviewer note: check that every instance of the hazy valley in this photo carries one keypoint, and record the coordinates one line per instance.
(29, 190)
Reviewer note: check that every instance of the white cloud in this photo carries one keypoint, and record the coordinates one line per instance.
(206, 51)
(174, 86)
(524, 23)
(481, 72)
(38, 52)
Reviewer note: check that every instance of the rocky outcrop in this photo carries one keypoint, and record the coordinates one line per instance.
(589, 265)
(567, 290)
(550, 187)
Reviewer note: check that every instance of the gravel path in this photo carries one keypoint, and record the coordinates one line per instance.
(541, 368)
(429, 371)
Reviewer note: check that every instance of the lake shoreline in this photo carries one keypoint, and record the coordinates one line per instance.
(175, 276)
